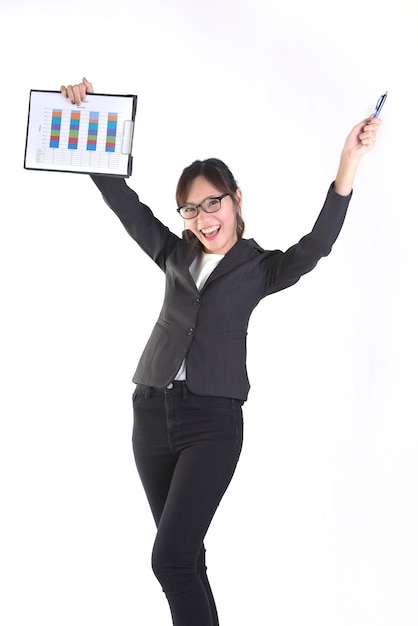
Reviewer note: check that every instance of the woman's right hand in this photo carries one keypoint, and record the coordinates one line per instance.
(77, 93)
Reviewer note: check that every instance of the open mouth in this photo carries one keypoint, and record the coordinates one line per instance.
(211, 232)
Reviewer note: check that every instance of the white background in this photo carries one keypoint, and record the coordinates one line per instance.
(319, 524)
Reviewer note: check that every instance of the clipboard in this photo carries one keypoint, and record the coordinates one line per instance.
(93, 138)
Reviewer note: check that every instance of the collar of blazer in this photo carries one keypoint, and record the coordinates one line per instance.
(243, 250)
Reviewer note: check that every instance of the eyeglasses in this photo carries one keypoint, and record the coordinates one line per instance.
(210, 205)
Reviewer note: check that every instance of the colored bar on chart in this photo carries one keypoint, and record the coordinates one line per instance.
(112, 122)
(74, 130)
(54, 140)
(92, 130)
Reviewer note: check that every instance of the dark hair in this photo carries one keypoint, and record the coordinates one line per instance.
(217, 173)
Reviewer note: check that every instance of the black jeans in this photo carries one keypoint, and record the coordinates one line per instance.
(186, 449)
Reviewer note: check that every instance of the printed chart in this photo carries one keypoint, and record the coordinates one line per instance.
(89, 138)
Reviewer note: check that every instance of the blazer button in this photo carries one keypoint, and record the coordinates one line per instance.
(190, 331)
(196, 302)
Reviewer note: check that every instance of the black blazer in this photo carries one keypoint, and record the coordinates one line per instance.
(208, 328)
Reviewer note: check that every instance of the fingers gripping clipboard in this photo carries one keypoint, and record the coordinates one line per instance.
(93, 138)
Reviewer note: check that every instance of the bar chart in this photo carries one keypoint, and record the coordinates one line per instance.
(83, 137)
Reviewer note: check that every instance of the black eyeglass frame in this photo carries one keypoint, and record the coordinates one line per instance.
(200, 206)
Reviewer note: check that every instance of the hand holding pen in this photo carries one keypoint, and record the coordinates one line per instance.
(359, 142)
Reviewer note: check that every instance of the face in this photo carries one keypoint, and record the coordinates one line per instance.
(217, 231)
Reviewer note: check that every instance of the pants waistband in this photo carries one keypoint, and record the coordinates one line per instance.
(177, 386)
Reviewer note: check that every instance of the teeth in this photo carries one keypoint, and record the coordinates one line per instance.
(210, 231)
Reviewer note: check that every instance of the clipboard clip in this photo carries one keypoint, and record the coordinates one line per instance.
(127, 136)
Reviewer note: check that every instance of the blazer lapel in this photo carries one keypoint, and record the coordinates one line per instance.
(235, 257)
(185, 263)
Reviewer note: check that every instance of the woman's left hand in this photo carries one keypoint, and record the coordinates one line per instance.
(362, 138)
(359, 142)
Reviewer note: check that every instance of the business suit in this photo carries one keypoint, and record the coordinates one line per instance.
(187, 437)
(209, 328)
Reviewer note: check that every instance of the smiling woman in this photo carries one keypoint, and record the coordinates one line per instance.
(205, 179)
(216, 230)
(191, 378)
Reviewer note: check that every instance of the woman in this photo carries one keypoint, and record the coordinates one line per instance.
(191, 378)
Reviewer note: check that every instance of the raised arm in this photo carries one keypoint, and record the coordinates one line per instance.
(153, 237)
(285, 269)
(359, 142)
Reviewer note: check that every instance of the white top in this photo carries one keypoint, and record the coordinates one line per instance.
(201, 268)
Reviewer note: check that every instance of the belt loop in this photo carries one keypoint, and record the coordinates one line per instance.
(147, 392)
(185, 391)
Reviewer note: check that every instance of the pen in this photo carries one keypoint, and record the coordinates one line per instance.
(380, 104)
